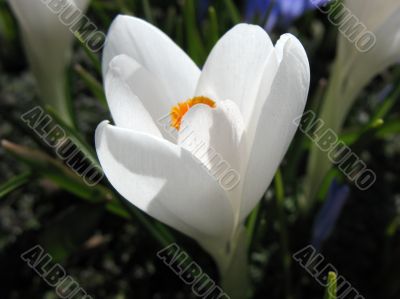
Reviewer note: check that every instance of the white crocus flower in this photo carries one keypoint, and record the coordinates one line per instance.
(241, 105)
(48, 46)
(354, 68)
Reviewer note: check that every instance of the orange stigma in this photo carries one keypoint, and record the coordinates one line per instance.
(178, 111)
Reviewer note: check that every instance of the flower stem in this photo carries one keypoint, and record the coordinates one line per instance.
(318, 163)
(286, 258)
(235, 275)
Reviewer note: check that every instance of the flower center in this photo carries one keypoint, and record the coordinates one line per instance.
(178, 111)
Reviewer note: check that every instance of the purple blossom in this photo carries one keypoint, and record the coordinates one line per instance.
(329, 213)
(281, 12)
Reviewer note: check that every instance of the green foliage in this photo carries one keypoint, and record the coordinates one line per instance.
(95, 87)
(332, 286)
(14, 183)
(194, 42)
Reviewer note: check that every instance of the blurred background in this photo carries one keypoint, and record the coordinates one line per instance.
(110, 247)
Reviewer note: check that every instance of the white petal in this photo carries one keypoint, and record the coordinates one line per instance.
(156, 52)
(213, 136)
(275, 127)
(163, 180)
(133, 96)
(234, 68)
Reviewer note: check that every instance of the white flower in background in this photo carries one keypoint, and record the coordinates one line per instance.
(242, 105)
(48, 46)
(382, 18)
(353, 70)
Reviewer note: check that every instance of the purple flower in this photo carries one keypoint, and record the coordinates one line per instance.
(326, 219)
(256, 8)
(281, 12)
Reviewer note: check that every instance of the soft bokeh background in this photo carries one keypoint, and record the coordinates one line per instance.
(113, 254)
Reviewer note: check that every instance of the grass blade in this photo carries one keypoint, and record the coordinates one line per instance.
(195, 44)
(286, 257)
(233, 11)
(14, 183)
(48, 167)
(332, 286)
(148, 11)
(213, 27)
(92, 84)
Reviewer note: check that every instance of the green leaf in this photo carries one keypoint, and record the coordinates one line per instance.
(284, 237)
(92, 56)
(92, 84)
(332, 286)
(170, 21)
(213, 27)
(393, 227)
(233, 11)
(279, 189)
(366, 133)
(165, 232)
(389, 128)
(14, 183)
(123, 7)
(252, 225)
(7, 25)
(195, 45)
(179, 32)
(115, 207)
(148, 14)
(52, 169)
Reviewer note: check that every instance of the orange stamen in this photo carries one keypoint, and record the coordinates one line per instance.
(178, 111)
